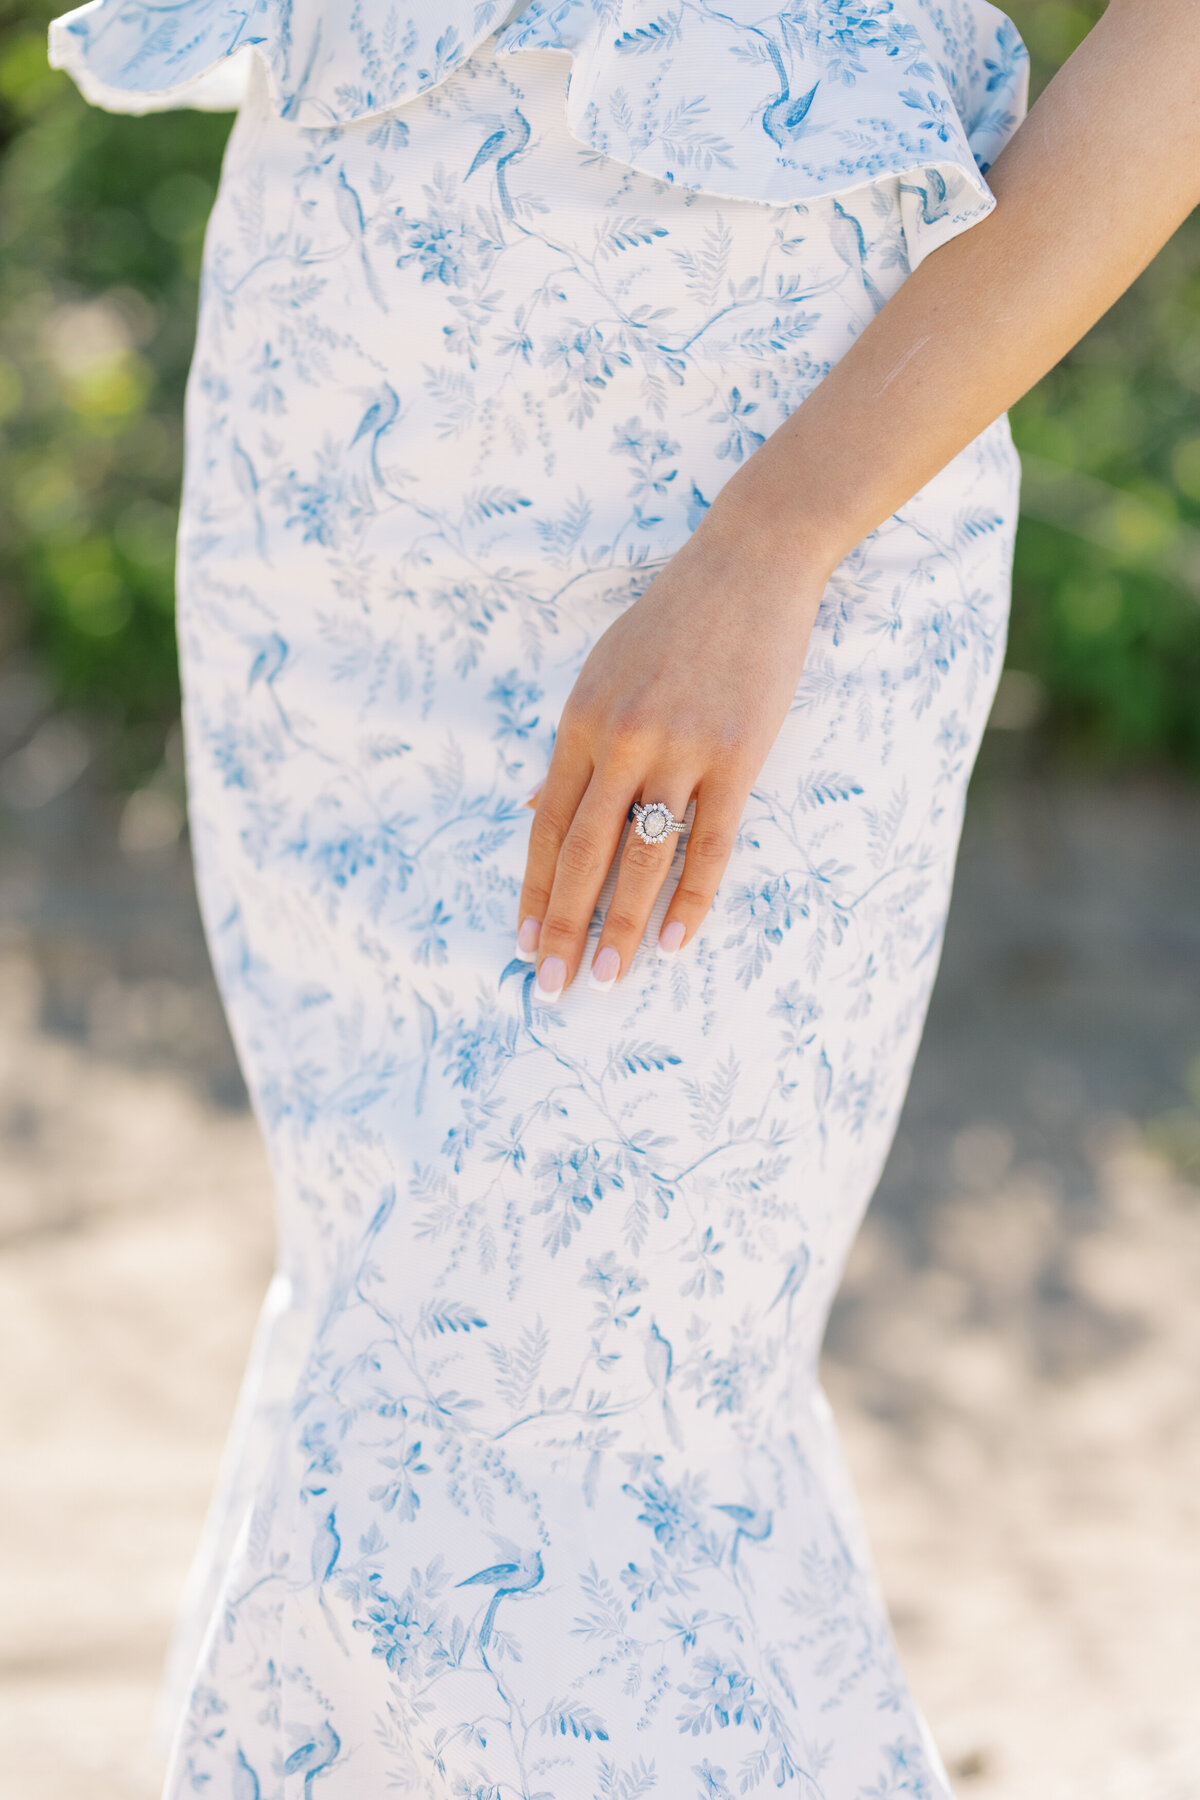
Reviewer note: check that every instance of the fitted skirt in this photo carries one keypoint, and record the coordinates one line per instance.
(533, 1493)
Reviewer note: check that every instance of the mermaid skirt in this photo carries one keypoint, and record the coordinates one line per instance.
(534, 1494)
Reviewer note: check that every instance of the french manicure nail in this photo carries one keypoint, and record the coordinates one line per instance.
(550, 979)
(671, 937)
(527, 939)
(605, 968)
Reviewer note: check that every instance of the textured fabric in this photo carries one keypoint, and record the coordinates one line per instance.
(534, 1493)
(814, 99)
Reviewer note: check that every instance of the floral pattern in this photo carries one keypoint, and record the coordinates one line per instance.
(533, 1492)
(816, 98)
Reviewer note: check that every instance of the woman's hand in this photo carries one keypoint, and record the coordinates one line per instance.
(683, 695)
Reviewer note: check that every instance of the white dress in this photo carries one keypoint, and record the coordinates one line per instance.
(533, 1493)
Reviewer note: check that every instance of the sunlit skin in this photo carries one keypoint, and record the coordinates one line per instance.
(683, 696)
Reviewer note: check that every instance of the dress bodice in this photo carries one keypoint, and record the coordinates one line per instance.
(815, 99)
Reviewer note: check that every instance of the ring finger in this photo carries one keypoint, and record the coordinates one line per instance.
(643, 869)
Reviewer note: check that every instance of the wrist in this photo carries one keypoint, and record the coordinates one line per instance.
(750, 521)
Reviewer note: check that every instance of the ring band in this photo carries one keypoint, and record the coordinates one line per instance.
(654, 822)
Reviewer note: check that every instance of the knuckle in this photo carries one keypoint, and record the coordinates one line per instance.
(629, 729)
(644, 859)
(730, 752)
(580, 854)
(552, 825)
(709, 845)
(689, 898)
(562, 927)
(694, 739)
(558, 938)
(546, 832)
(621, 922)
(577, 717)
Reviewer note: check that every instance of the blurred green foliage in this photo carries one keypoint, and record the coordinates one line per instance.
(1107, 594)
(101, 227)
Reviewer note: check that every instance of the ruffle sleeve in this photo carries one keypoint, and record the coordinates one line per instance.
(328, 62)
(814, 100)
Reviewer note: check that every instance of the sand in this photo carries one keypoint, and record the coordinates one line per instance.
(1014, 1361)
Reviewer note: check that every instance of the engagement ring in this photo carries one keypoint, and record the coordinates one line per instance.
(654, 822)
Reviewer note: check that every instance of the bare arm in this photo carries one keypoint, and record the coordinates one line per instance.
(686, 692)
(1104, 169)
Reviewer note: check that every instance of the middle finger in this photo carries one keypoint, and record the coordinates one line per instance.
(644, 867)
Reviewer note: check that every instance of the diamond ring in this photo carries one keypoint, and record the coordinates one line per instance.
(654, 822)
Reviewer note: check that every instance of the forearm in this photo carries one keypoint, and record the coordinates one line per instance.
(1103, 170)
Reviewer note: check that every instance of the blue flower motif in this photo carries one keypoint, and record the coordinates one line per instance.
(477, 350)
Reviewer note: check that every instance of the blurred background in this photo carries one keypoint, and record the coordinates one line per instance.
(1015, 1358)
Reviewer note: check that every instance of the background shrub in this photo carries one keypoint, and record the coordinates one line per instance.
(101, 226)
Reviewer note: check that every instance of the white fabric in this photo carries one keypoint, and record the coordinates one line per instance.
(534, 1494)
(814, 99)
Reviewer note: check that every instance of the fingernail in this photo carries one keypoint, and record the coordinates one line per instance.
(550, 979)
(671, 937)
(605, 968)
(527, 939)
(533, 793)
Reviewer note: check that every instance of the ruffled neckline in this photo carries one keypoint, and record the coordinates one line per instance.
(813, 101)
(325, 64)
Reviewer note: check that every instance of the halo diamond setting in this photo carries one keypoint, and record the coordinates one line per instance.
(655, 822)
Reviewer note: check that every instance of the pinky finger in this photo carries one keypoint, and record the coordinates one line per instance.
(709, 847)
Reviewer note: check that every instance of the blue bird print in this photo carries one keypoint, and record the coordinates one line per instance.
(269, 658)
(783, 118)
(508, 140)
(429, 1031)
(793, 1281)
(659, 1361)
(315, 1757)
(245, 1781)
(354, 224)
(293, 101)
(846, 236)
(753, 1523)
(473, 1327)
(379, 418)
(516, 1577)
(934, 196)
(326, 1548)
(245, 477)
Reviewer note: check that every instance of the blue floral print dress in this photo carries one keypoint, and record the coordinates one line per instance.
(533, 1493)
